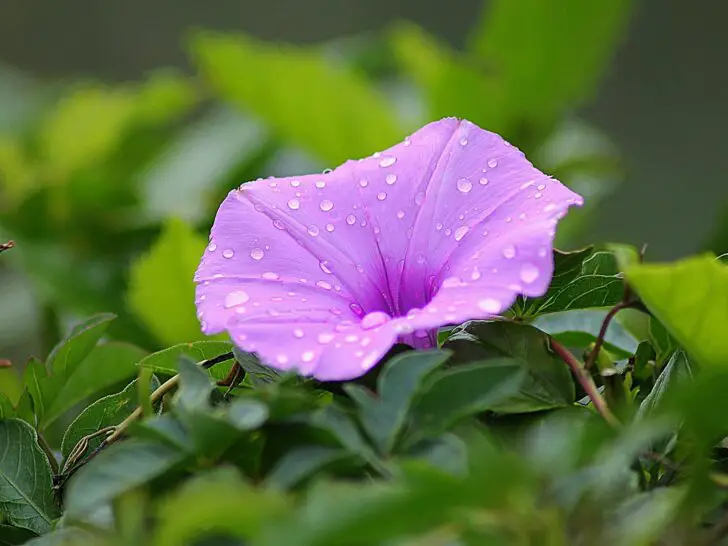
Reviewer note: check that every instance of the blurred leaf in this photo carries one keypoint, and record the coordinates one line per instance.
(161, 290)
(676, 372)
(105, 366)
(108, 411)
(217, 503)
(12, 536)
(529, 46)
(26, 497)
(165, 428)
(580, 329)
(119, 468)
(16, 173)
(383, 416)
(547, 383)
(299, 463)
(167, 361)
(340, 426)
(67, 536)
(643, 518)
(195, 387)
(251, 364)
(660, 338)
(447, 452)
(690, 298)
(297, 92)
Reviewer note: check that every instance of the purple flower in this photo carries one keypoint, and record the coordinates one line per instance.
(323, 273)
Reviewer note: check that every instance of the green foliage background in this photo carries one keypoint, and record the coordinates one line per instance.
(108, 191)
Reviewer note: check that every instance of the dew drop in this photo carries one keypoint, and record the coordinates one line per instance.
(451, 282)
(448, 231)
(294, 204)
(330, 227)
(419, 198)
(295, 183)
(324, 265)
(270, 276)
(463, 142)
(236, 298)
(508, 219)
(381, 196)
(351, 219)
(541, 187)
(492, 163)
(543, 251)
(273, 184)
(529, 273)
(489, 305)
(281, 359)
(475, 275)
(387, 161)
(407, 142)
(313, 230)
(278, 224)
(307, 356)
(549, 207)
(438, 226)
(257, 254)
(464, 185)
(420, 258)
(460, 232)
(325, 338)
(320, 184)
(357, 309)
(323, 284)
(509, 251)
(228, 253)
(400, 214)
(351, 338)
(537, 195)
(298, 333)
(390, 179)
(363, 182)
(326, 205)
(212, 247)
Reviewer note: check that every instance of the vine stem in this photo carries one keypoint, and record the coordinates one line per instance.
(586, 382)
(624, 304)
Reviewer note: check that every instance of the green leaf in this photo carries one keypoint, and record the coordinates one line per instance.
(529, 46)
(676, 372)
(660, 338)
(119, 468)
(462, 391)
(581, 328)
(296, 91)
(214, 504)
(195, 387)
(259, 373)
(166, 362)
(447, 452)
(104, 412)
(70, 352)
(548, 382)
(67, 536)
(384, 416)
(12, 536)
(299, 463)
(161, 289)
(339, 425)
(690, 298)
(26, 495)
(105, 366)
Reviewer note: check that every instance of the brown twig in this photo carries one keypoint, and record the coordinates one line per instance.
(7, 246)
(586, 382)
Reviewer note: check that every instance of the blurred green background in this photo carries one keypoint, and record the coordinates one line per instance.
(123, 120)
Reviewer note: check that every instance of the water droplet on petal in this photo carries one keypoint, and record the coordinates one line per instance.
(295, 183)
(489, 305)
(323, 284)
(492, 163)
(238, 297)
(212, 247)
(543, 251)
(257, 254)
(330, 227)
(549, 207)
(460, 232)
(228, 253)
(298, 333)
(464, 185)
(381, 196)
(484, 181)
(391, 179)
(325, 337)
(351, 219)
(509, 251)
(278, 224)
(313, 230)
(351, 338)
(324, 265)
(451, 282)
(529, 273)
(363, 182)
(420, 258)
(294, 204)
(400, 214)
(438, 226)
(541, 187)
(475, 275)
(463, 142)
(307, 356)
(356, 308)
(320, 184)
(407, 142)
(448, 231)
(374, 319)
(281, 359)
(326, 205)
(270, 276)
(387, 161)
(537, 195)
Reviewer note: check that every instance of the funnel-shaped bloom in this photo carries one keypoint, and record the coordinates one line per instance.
(323, 273)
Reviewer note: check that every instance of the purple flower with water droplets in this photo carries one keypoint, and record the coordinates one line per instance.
(323, 273)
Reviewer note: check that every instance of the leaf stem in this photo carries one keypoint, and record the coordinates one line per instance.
(586, 382)
(624, 304)
(49, 453)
